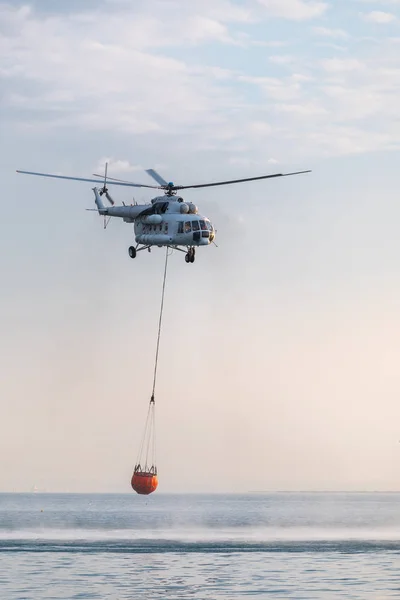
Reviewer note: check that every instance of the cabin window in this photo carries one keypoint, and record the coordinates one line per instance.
(160, 208)
(180, 227)
(188, 227)
(195, 226)
(166, 227)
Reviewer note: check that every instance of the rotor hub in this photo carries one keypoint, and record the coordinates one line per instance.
(170, 189)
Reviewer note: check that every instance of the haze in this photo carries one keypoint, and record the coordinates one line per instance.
(279, 351)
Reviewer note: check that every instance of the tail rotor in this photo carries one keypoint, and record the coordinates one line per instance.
(104, 189)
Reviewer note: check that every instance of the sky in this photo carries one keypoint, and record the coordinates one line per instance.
(279, 351)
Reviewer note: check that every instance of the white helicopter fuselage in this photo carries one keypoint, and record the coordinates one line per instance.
(167, 221)
(179, 225)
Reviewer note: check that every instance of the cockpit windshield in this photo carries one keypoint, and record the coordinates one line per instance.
(209, 226)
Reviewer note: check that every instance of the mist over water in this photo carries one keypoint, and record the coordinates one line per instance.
(200, 546)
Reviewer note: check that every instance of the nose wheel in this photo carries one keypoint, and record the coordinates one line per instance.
(132, 252)
(189, 257)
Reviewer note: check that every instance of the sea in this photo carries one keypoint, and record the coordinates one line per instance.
(198, 546)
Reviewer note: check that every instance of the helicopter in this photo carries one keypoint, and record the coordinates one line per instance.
(167, 221)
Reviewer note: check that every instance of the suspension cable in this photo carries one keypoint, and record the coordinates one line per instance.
(146, 433)
(148, 442)
(159, 326)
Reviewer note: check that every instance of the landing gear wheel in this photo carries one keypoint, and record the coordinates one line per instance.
(132, 252)
(189, 257)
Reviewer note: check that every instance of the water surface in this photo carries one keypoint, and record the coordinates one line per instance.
(200, 546)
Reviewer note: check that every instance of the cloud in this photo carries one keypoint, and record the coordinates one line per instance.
(380, 17)
(117, 74)
(380, 1)
(301, 77)
(224, 11)
(54, 65)
(116, 166)
(330, 33)
(245, 162)
(350, 140)
(274, 88)
(311, 109)
(260, 128)
(354, 104)
(341, 65)
(297, 10)
(368, 96)
(203, 28)
(268, 44)
(281, 59)
(331, 46)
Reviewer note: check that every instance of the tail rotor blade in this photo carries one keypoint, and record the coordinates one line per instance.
(111, 201)
(105, 190)
(105, 175)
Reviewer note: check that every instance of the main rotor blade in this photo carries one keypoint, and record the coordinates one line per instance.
(121, 180)
(126, 183)
(151, 172)
(156, 176)
(203, 185)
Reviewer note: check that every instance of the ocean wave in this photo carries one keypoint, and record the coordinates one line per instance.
(258, 540)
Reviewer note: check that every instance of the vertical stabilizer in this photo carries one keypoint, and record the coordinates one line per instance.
(99, 203)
